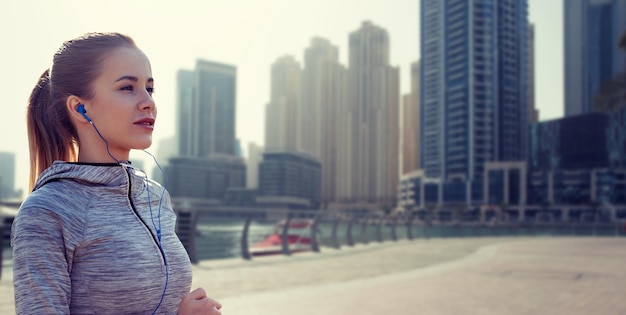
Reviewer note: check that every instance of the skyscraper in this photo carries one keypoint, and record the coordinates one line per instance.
(207, 164)
(411, 124)
(473, 90)
(166, 149)
(281, 115)
(186, 135)
(592, 31)
(323, 93)
(368, 126)
(255, 156)
(207, 101)
(7, 175)
(533, 112)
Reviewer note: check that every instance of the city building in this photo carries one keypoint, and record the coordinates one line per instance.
(7, 176)
(241, 198)
(289, 180)
(576, 172)
(505, 190)
(281, 116)
(418, 192)
(410, 137)
(238, 148)
(592, 31)
(255, 156)
(578, 163)
(194, 181)
(186, 134)
(207, 164)
(533, 112)
(207, 106)
(368, 126)
(323, 94)
(166, 148)
(473, 92)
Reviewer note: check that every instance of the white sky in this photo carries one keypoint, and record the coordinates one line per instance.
(250, 34)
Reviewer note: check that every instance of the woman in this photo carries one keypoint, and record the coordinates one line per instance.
(96, 236)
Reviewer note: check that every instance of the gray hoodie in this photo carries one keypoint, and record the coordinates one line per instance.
(85, 242)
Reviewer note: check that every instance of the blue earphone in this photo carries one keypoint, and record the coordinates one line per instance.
(81, 109)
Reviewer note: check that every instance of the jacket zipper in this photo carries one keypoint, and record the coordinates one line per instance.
(132, 206)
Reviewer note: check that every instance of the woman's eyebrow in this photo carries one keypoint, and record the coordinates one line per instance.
(132, 78)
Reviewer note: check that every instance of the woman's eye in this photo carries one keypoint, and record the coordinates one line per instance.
(150, 90)
(127, 88)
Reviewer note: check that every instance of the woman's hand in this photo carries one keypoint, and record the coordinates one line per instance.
(196, 302)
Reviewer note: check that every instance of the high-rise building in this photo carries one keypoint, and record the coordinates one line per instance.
(238, 148)
(207, 164)
(281, 116)
(166, 149)
(323, 93)
(204, 181)
(368, 129)
(592, 30)
(7, 175)
(578, 166)
(186, 136)
(473, 90)
(207, 101)
(289, 179)
(255, 156)
(411, 124)
(533, 112)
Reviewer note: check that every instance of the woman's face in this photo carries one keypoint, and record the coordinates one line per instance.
(122, 108)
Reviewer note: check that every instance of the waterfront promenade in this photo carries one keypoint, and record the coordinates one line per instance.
(507, 275)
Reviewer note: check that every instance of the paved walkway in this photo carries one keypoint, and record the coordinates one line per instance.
(438, 276)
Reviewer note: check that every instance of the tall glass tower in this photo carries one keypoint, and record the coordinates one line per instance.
(474, 90)
(324, 93)
(592, 31)
(281, 113)
(207, 164)
(207, 100)
(368, 129)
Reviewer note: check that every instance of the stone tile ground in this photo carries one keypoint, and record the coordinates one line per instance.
(437, 276)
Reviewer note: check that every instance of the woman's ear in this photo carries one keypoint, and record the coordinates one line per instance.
(76, 109)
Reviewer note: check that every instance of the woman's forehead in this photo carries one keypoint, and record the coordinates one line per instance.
(126, 61)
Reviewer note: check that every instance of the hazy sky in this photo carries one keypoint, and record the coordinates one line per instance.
(250, 34)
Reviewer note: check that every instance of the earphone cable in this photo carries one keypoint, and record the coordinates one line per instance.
(157, 230)
(106, 143)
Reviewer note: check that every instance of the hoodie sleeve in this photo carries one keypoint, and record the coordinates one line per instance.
(41, 266)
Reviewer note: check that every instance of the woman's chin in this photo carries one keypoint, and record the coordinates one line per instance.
(142, 147)
(143, 144)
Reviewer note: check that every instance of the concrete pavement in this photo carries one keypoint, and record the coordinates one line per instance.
(437, 276)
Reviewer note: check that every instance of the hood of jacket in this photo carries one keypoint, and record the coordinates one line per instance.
(110, 175)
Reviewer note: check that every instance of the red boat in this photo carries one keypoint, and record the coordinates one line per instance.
(298, 238)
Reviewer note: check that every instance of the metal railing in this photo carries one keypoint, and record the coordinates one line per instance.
(219, 234)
